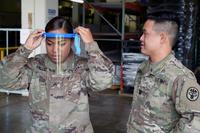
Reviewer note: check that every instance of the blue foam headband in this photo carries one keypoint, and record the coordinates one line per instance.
(75, 36)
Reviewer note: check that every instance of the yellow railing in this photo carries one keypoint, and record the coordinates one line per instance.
(3, 51)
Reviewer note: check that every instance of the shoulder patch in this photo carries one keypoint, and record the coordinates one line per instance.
(192, 94)
(187, 95)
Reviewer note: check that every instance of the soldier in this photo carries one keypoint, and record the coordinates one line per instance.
(58, 103)
(166, 93)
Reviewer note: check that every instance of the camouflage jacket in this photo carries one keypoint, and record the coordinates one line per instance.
(58, 103)
(165, 100)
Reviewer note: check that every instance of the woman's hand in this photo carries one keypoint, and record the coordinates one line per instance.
(85, 34)
(34, 39)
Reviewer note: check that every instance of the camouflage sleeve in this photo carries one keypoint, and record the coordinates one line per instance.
(100, 75)
(187, 103)
(14, 74)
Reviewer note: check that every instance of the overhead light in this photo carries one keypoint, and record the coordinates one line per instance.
(78, 1)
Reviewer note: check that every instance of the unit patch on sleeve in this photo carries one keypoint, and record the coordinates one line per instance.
(192, 94)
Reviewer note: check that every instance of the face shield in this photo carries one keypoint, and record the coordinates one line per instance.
(59, 47)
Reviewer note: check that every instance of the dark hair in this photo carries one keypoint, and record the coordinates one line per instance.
(167, 26)
(165, 22)
(58, 23)
(166, 15)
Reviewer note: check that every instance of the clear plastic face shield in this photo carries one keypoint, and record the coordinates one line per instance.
(58, 48)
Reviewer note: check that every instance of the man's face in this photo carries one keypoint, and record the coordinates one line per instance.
(58, 49)
(150, 40)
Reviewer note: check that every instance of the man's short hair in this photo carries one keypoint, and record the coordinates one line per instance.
(166, 24)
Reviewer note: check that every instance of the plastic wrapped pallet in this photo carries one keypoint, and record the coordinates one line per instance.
(116, 73)
(131, 62)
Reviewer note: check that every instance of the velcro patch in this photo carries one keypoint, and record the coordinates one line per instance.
(187, 95)
(192, 94)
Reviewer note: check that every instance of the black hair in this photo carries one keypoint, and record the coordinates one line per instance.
(58, 23)
(163, 16)
(165, 20)
(165, 10)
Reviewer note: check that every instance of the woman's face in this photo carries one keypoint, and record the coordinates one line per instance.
(58, 49)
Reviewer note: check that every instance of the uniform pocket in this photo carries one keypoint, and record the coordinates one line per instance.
(38, 90)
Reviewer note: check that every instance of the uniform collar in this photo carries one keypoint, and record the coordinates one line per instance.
(155, 68)
(67, 65)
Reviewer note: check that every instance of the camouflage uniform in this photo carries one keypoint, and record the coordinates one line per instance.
(166, 99)
(58, 104)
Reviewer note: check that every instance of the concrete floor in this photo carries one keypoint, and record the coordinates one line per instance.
(108, 111)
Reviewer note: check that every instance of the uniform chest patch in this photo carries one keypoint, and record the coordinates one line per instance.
(192, 94)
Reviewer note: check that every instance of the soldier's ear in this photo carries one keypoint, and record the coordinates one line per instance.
(163, 38)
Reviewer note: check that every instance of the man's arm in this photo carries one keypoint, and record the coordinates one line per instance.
(187, 102)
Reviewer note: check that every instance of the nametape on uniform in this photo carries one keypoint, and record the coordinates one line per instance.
(66, 35)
